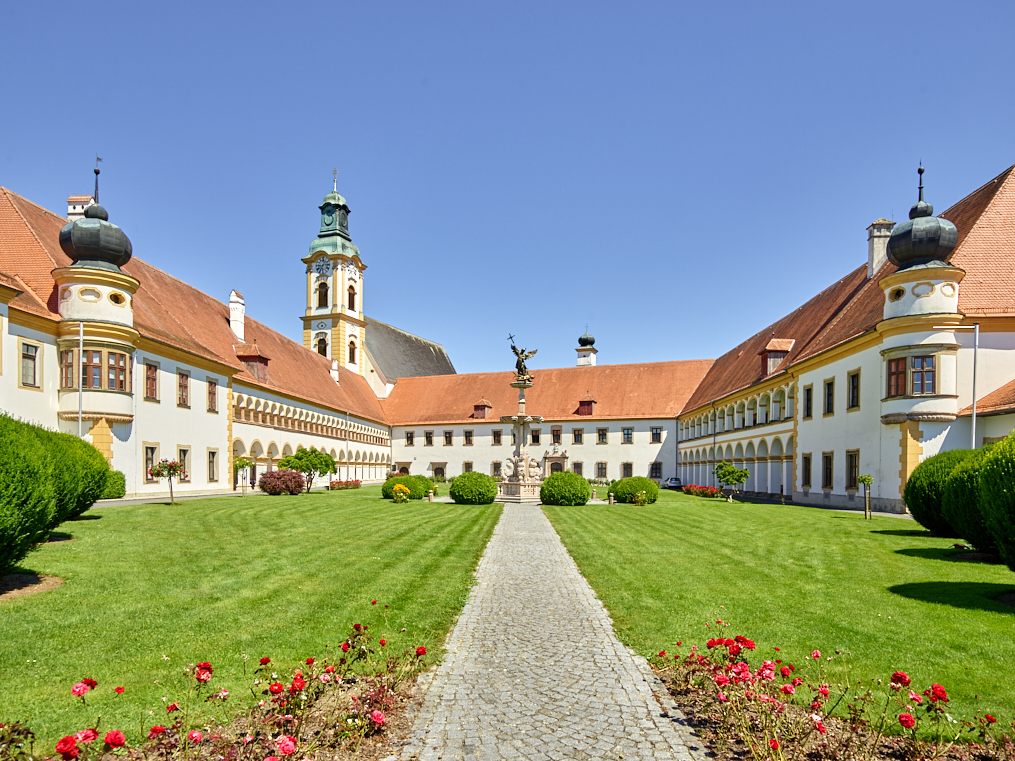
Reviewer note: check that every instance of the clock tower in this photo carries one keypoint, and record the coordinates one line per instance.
(333, 324)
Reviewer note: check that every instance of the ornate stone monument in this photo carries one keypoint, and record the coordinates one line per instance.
(523, 475)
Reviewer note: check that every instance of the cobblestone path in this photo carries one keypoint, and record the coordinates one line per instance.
(533, 669)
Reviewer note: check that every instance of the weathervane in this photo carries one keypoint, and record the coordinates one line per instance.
(334, 173)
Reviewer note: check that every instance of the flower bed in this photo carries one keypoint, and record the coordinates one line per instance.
(703, 491)
(335, 485)
(744, 704)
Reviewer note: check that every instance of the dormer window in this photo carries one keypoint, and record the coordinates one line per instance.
(480, 408)
(587, 405)
(254, 360)
(774, 353)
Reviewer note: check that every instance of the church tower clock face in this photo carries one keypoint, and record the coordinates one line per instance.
(323, 266)
(329, 217)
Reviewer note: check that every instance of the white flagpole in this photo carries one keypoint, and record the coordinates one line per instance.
(81, 385)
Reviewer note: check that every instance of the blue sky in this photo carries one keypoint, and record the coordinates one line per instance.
(675, 175)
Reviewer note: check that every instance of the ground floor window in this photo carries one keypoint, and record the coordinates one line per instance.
(151, 458)
(183, 457)
(213, 465)
(853, 469)
(627, 470)
(438, 472)
(826, 470)
(496, 469)
(805, 471)
(467, 467)
(403, 471)
(600, 470)
(656, 470)
(577, 467)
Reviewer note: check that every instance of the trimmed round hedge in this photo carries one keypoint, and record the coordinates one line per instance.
(625, 489)
(960, 503)
(473, 489)
(418, 486)
(276, 482)
(78, 470)
(924, 491)
(116, 485)
(565, 488)
(27, 495)
(997, 497)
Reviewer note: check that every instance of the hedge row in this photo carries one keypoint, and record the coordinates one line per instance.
(969, 494)
(46, 478)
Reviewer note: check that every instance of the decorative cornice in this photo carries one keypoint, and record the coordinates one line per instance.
(95, 276)
(928, 417)
(94, 417)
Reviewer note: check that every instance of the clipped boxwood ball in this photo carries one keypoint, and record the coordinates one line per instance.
(961, 503)
(27, 494)
(473, 489)
(565, 488)
(924, 492)
(417, 486)
(625, 489)
(997, 497)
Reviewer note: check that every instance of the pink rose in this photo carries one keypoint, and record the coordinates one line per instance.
(377, 717)
(285, 744)
(195, 737)
(86, 735)
(816, 654)
(79, 689)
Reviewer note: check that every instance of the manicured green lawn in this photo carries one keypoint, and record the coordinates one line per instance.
(214, 579)
(802, 579)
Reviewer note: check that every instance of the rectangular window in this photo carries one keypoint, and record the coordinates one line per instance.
(449, 438)
(896, 377)
(655, 470)
(213, 465)
(151, 457)
(627, 435)
(183, 457)
(808, 401)
(30, 365)
(468, 438)
(826, 470)
(497, 437)
(852, 468)
(535, 435)
(67, 369)
(467, 467)
(923, 375)
(183, 389)
(410, 438)
(116, 371)
(213, 395)
(627, 470)
(428, 438)
(555, 434)
(577, 435)
(829, 403)
(657, 435)
(600, 470)
(853, 390)
(805, 471)
(602, 435)
(151, 381)
(91, 370)
(496, 469)
(577, 467)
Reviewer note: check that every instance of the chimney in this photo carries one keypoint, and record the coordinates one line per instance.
(334, 370)
(877, 245)
(76, 206)
(236, 312)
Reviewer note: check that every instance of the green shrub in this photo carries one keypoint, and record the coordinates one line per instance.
(625, 489)
(565, 488)
(997, 497)
(417, 489)
(425, 485)
(473, 489)
(27, 499)
(960, 503)
(924, 491)
(78, 471)
(116, 485)
(276, 482)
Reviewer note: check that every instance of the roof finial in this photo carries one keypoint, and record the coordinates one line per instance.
(97, 160)
(920, 170)
(334, 173)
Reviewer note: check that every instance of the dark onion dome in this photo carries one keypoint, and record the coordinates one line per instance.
(95, 241)
(586, 340)
(924, 238)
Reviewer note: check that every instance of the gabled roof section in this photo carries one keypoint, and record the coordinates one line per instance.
(995, 403)
(171, 312)
(855, 305)
(398, 354)
(647, 390)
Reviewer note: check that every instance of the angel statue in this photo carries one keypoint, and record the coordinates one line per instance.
(523, 373)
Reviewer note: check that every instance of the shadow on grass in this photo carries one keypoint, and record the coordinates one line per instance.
(959, 594)
(924, 533)
(60, 536)
(88, 517)
(955, 556)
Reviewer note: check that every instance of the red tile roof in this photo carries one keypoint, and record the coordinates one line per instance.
(855, 305)
(171, 312)
(647, 390)
(1001, 400)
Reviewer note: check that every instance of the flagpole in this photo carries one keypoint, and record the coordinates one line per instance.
(81, 385)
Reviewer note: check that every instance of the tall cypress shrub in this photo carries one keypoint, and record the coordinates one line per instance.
(997, 497)
(27, 501)
(924, 491)
(961, 502)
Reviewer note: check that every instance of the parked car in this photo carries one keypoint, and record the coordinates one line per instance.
(673, 483)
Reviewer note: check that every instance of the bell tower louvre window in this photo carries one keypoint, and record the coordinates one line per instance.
(322, 295)
(322, 346)
(352, 299)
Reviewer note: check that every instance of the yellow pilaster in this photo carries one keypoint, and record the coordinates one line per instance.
(909, 442)
(102, 439)
(229, 427)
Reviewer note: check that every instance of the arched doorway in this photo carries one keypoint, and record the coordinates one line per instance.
(404, 471)
(438, 472)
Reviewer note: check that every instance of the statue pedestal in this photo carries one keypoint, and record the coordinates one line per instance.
(524, 474)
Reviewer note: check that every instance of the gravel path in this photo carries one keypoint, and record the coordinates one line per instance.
(533, 669)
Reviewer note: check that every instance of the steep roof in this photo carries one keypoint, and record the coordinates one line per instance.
(855, 304)
(647, 390)
(171, 312)
(995, 403)
(398, 354)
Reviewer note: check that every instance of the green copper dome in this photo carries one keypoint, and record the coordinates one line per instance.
(924, 238)
(95, 241)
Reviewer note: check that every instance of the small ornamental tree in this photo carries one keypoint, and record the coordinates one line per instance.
(729, 474)
(310, 462)
(168, 469)
(242, 463)
(867, 479)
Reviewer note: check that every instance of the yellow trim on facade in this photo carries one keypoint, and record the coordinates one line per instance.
(165, 351)
(947, 272)
(909, 442)
(229, 427)
(98, 331)
(102, 439)
(32, 322)
(91, 276)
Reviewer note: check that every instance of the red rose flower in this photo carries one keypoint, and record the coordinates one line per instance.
(118, 690)
(115, 739)
(373, 602)
(785, 671)
(68, 748)
(907, 720)
(773, 744)
(297, 685)
(420, 650)
(265, 661)
(990, 719)
(172, 707)
(92, 684)
(662, 653)
(383, 643)
(310, 661)
(195, 737)
(203, 671)
(357, 627)
(331, 669)
(276, 688)
(901, 678)
(155, 731)
(345, 647)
